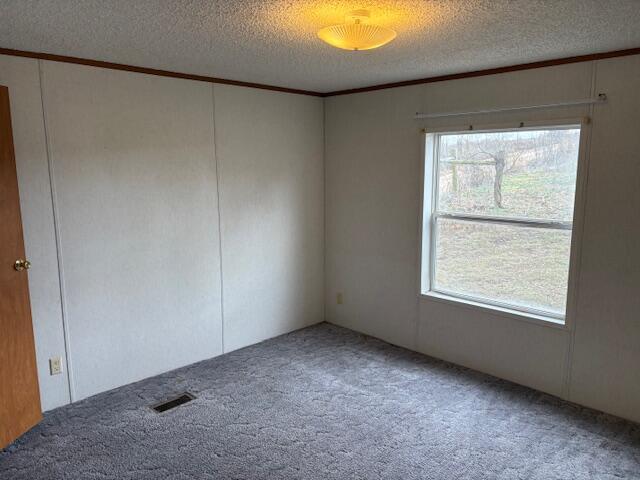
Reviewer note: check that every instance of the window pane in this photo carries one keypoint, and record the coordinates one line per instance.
(525, 174)
(519, 266)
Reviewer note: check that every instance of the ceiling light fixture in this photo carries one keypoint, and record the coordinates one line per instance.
(356, 33)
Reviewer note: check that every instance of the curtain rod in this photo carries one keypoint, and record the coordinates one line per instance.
(601, 98)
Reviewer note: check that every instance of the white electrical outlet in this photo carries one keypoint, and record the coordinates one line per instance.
(55, 365)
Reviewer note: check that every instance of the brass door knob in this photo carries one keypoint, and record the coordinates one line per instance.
(21, 265)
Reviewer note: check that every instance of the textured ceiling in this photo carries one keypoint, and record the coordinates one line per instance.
(274, 41)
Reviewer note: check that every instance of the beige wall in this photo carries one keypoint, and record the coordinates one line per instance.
(605, 371)
(270, 154)
(373, 178)
(147, 269)
(134, 179)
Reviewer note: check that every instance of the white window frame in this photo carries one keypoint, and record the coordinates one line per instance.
(430, 214)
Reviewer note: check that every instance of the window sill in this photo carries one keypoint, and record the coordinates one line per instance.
(495, 310)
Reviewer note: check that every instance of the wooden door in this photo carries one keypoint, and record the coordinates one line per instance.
(19, 392)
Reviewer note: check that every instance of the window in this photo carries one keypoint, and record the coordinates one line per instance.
(498, 216)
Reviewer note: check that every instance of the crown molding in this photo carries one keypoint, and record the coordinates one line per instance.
(224, 81)
(150, 71)
(491, 71)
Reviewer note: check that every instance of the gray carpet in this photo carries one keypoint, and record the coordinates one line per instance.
(326, 403)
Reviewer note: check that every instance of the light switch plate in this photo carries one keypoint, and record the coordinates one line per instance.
(55, 365)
